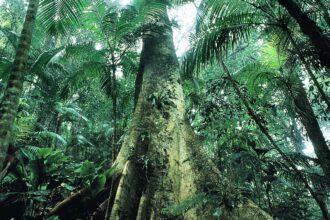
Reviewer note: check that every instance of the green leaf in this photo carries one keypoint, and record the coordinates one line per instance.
(49, 134)
(56, 157)
(86, 169)
(44, 152)
(60, 16)
(5, 65)
(68, 187)
(54, 217)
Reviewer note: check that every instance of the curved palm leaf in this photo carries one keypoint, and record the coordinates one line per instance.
(61, 16)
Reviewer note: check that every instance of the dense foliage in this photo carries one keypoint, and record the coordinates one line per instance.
(256, 87)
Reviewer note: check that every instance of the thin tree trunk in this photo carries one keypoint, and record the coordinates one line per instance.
(296, 137)
(307, 117)
(309, 28)
(114, 106)
(10, 101)
(114, 134)
(264, 130)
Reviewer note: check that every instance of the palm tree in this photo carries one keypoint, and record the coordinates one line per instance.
(9, 103)
(51, 11)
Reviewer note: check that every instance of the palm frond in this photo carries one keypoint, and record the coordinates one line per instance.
(219, 29)
(52, 135)
(43, 60)
(82, 140)
(129, 63)
(306, 168)
(61, 16)
(84, 51)
(65, 110)
(210, 43)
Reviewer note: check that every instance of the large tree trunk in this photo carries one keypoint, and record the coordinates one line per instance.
(160, 163)
(308, 27)
(10, 101)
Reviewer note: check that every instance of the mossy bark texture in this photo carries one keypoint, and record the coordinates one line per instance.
(160, 162)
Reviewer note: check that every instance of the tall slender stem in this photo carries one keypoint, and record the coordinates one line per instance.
(10, 101)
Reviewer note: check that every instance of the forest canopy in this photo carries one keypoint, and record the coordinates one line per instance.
(164, 109)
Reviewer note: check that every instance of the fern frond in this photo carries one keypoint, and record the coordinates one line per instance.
(23, 128)
(191, 202)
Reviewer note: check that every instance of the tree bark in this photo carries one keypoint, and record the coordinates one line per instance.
(309, 28)
(10, 101)
(161, 162)
(307, 117)
(296, 137)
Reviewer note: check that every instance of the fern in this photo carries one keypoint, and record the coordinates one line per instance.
(23, 128)
(189, 203)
